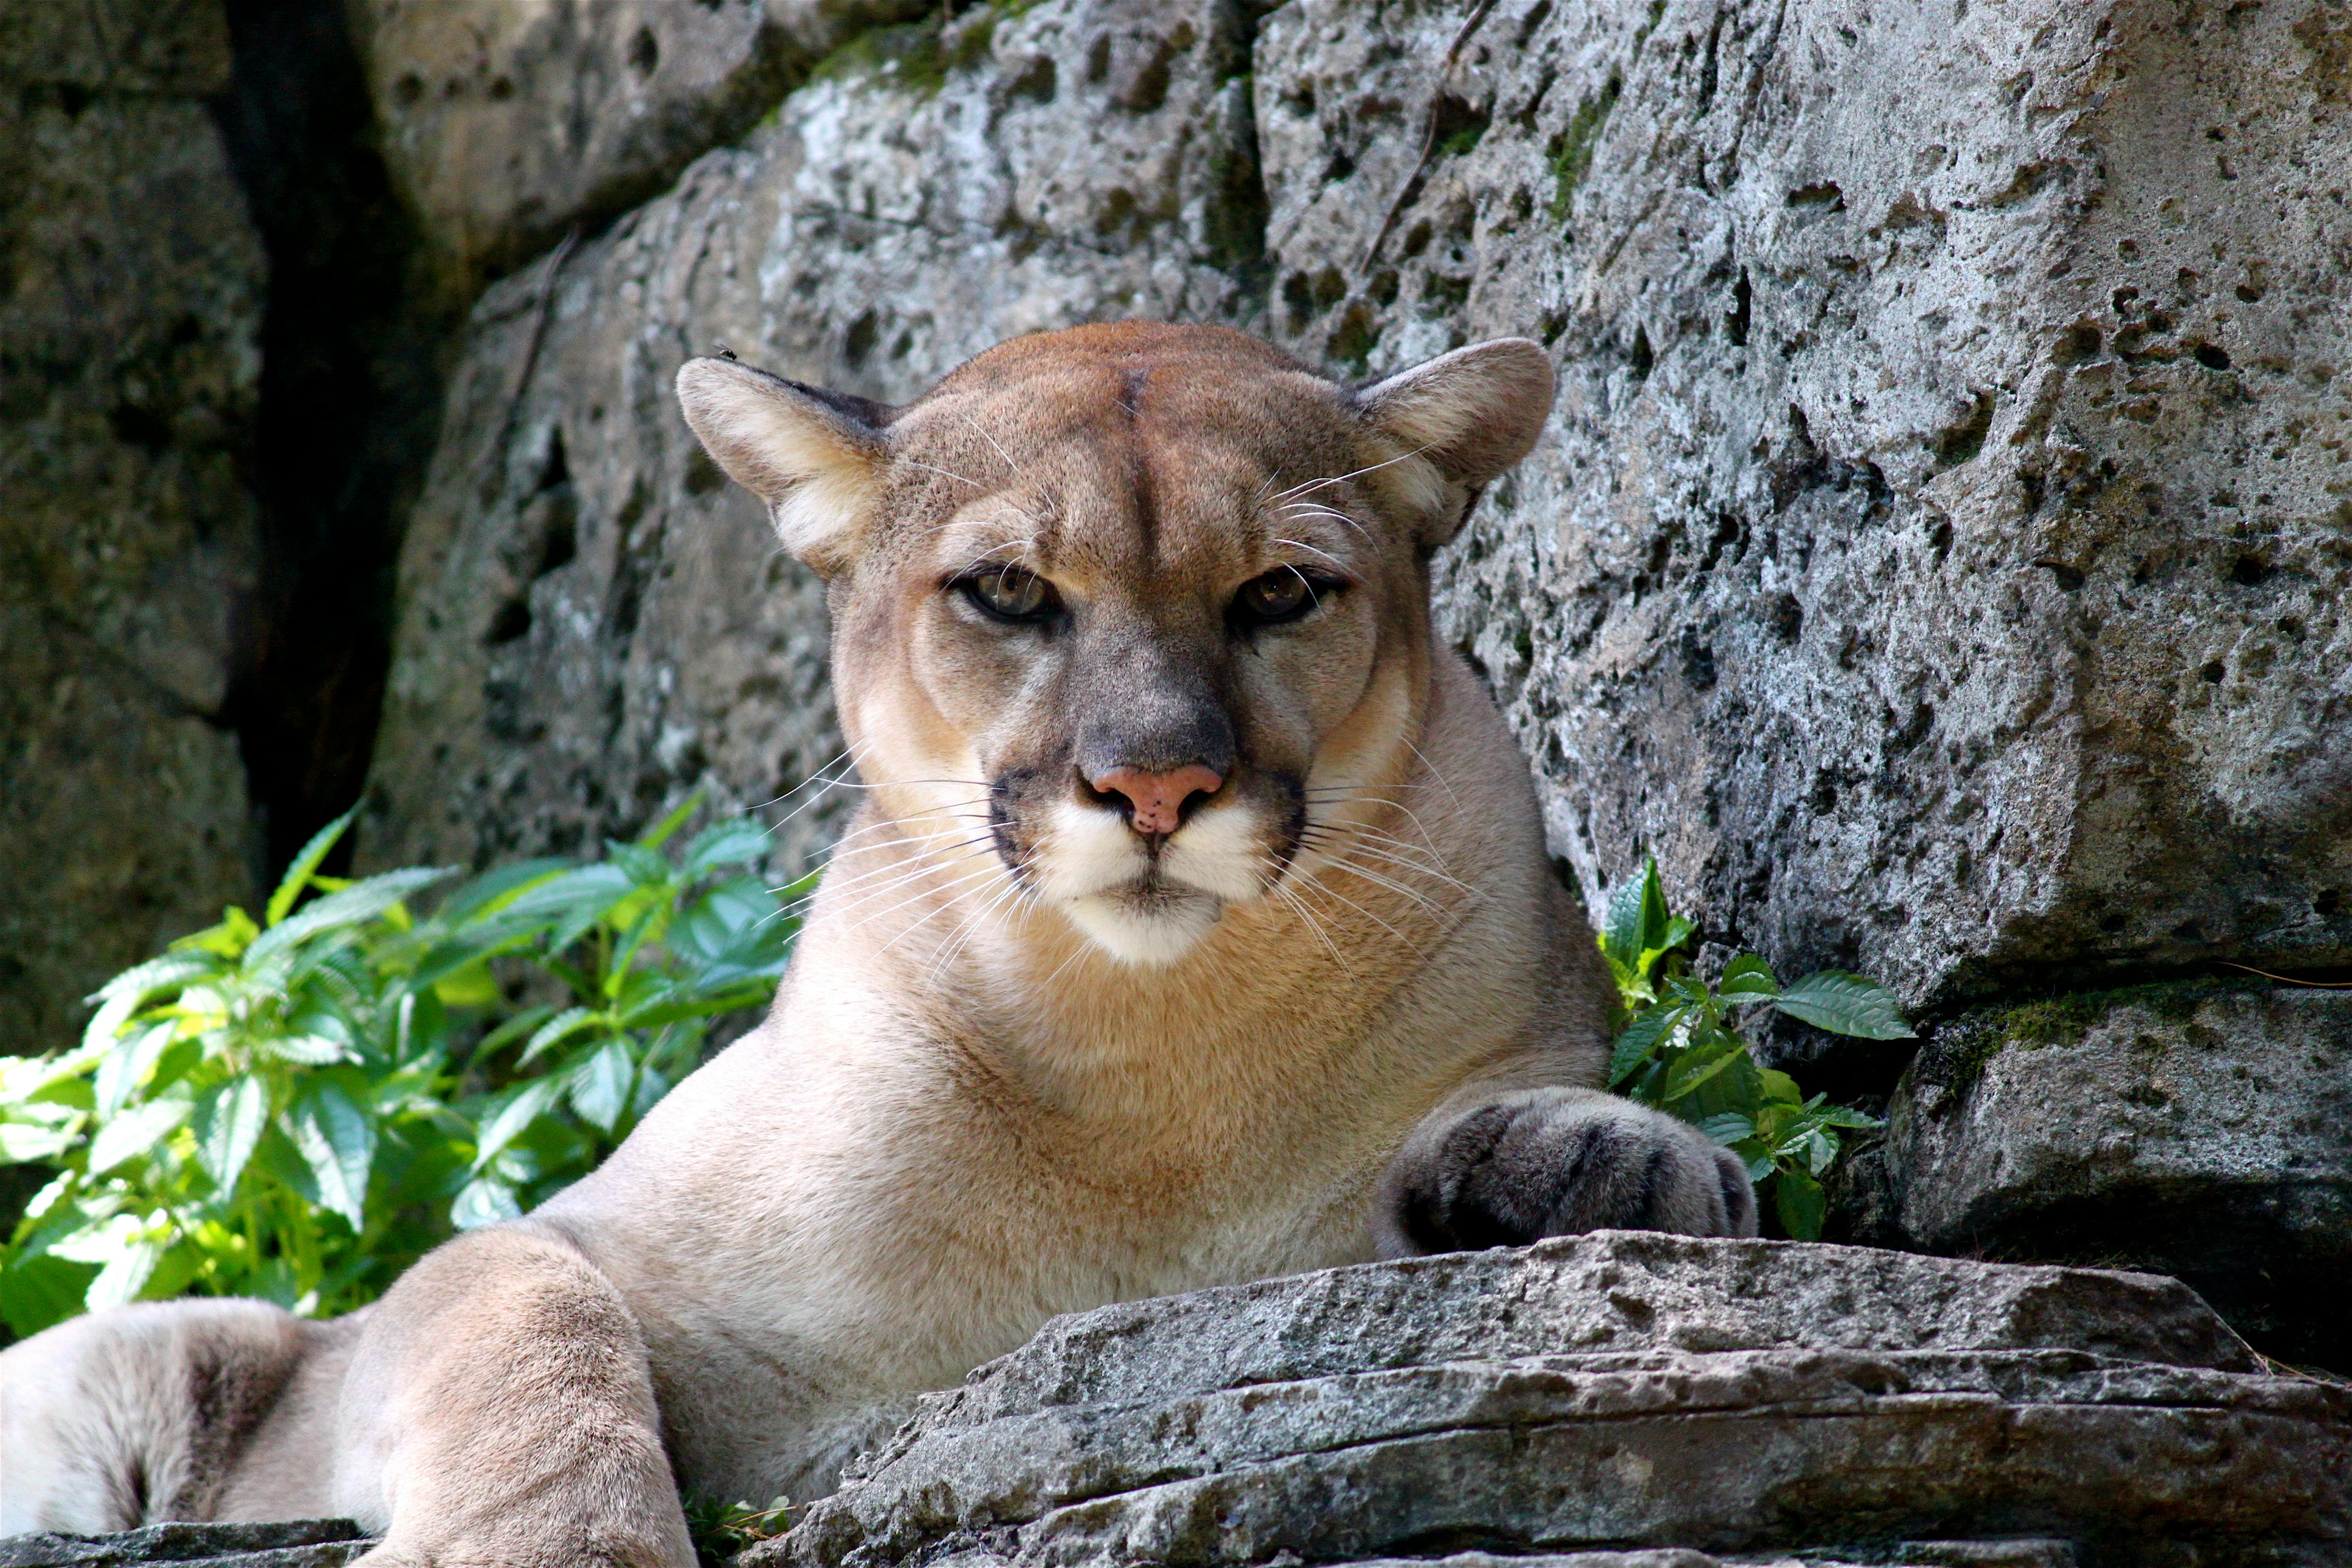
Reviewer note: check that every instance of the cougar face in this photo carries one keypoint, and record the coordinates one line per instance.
(1132, 609)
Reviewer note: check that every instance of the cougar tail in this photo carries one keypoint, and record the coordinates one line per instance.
(134, 1416)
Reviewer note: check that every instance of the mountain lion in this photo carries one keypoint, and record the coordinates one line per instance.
(1195, 926)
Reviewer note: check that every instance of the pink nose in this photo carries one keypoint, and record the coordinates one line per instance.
(1157, 797)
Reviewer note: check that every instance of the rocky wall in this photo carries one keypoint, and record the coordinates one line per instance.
(1940, 557)
(594, 623)
(131, 284)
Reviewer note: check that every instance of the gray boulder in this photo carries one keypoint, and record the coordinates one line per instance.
(593, 623)
(130, 368)
(507, 122)
(1940, 554)
(1614, 1391)
(2203, 1129)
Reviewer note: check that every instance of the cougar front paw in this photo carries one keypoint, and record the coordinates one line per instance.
(1554, 1161)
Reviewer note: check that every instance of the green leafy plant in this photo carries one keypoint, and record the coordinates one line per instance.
(298, 1107)
(1681, 1048)
(720, 1530)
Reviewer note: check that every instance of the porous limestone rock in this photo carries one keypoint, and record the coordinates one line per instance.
(506, 121)
(130, 292)
(2200, 1129)
(1941, 553)
(594, 622)
(1617, 1391)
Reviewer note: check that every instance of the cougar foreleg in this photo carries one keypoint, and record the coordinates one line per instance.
(1517, 1166)
(500, 1414)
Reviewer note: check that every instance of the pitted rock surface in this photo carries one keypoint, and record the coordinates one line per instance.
(2203, 1129)
(508, 122)
(132, 281)
(1613, 1392)
(1941, 554)
(593, 622)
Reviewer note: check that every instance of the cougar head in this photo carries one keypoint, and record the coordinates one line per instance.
(1123, 604)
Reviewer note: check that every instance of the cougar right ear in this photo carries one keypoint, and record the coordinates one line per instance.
(815, 456)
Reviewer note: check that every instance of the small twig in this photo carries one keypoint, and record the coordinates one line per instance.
(2289, 979)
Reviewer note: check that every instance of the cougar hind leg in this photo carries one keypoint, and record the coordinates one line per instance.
(134, 1416)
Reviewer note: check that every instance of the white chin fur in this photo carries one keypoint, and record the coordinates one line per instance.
(1093, 868)
(1154, 931)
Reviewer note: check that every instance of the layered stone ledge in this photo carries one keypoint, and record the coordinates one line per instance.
(1612, 1393)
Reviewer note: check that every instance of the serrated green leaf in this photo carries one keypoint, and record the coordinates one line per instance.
(737, 841)
(135, 1132)
(555, 1031)
(495, 891)
(126, 1069)
(229, 1122)
(1727, 1128)
(599, 1086)
(1641, 1038)
(336, 1140)
(526, 1106)
(1748, 975)
(644, 867)
(298, 875)
(305, 1050)
(1779, 1087)
(1702, 1062)
(1844, 1003)
(1821, 1152)
(125, 1276)
(128, 991)
(26, 1143)
(1801, 1204)
(360, 903)
(1628, 913)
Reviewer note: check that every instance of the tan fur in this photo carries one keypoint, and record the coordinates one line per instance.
(1027, 1060)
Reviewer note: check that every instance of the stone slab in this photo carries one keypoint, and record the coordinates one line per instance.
(1613, 1391)
(2201, 1128)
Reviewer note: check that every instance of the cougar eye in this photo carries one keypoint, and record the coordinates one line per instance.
(1283, 593)
(1011, 593)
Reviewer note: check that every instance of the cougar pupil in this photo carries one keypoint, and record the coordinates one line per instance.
(1282, 594)
(1010, 594)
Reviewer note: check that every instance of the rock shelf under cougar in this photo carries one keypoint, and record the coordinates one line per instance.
(1618, 1400)
(1653, 1399)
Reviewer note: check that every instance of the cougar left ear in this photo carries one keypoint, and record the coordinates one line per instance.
(815, 456)
(1470, 413)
